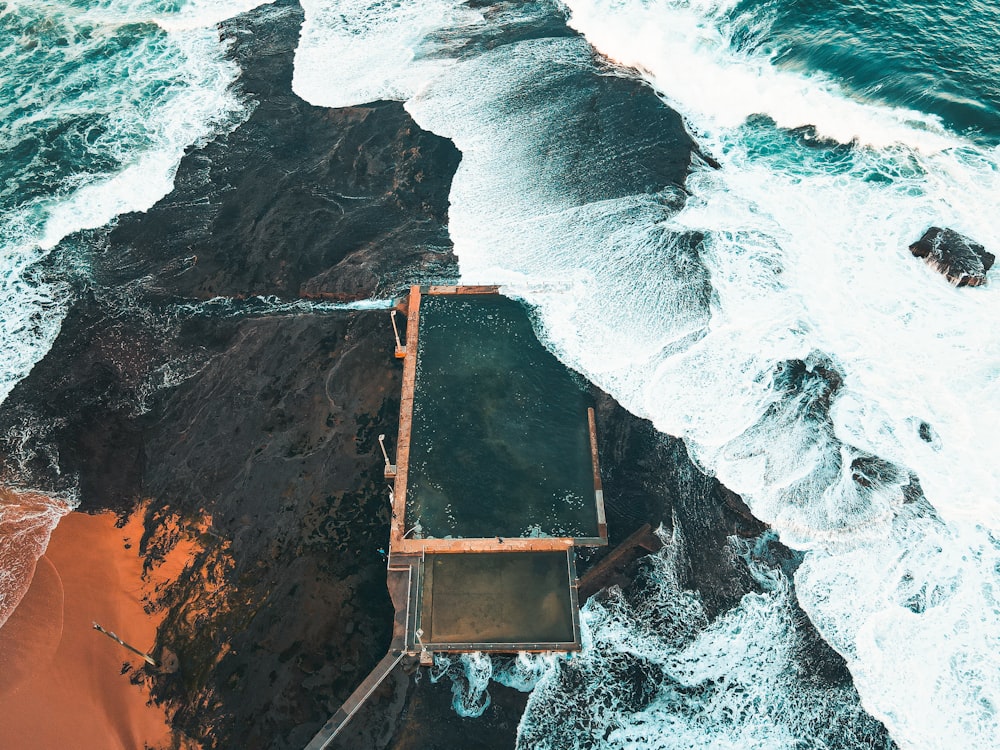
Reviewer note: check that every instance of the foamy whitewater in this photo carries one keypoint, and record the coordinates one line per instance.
(96, 109)
(98, 102)
(805, 250)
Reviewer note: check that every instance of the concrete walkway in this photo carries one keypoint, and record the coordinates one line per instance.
(339, 720)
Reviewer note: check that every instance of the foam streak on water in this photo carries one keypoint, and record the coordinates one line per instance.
(824, 371)
(248, 306)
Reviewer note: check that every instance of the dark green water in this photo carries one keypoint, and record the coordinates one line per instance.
(497, 597)
(500, 443)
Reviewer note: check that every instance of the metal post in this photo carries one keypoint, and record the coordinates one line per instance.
(426, 657)
(400, 349)
(390, 468)
(148, 659)
(385, 454)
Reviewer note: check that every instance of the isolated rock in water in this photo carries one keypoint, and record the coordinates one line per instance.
(962, 261)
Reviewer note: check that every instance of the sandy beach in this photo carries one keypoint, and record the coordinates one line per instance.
(63, 684)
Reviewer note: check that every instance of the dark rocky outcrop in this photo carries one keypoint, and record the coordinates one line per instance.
(959, 259)
(649, 478)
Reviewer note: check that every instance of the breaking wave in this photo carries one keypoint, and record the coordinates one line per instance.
(27, 519)
(98, 105)
(655, 672)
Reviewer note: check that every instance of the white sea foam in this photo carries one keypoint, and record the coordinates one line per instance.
(27, 520)
(655, 673)
(806, 248)
(202, 103)
(470, 677)
(689, 44)
(918, 618)
(912, 349)
(270, 305)
(202, 14)
(382, 49)
(472, 673)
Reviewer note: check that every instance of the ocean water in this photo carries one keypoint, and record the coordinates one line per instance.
(98, 100)
(771, 316)
(922, 54)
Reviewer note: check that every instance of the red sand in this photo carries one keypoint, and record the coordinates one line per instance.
(61, 684)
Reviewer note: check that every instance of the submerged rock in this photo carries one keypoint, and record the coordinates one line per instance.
(961, 260)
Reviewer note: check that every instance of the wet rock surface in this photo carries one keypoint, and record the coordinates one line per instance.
(649, 478)
(964, 262)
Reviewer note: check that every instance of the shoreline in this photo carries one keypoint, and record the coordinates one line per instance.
(62, 684)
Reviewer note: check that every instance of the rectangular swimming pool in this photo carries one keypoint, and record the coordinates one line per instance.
(499, 600)
(499, 444)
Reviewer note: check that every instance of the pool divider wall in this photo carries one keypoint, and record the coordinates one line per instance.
(397, 528)
(437, 289)
(574, 597)
(488, 544)
(602, 521)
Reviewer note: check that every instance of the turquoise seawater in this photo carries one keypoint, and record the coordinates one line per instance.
(843, 130)
(935, 56)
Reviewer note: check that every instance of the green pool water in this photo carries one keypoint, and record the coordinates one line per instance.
(500, 444)
(498, 599)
